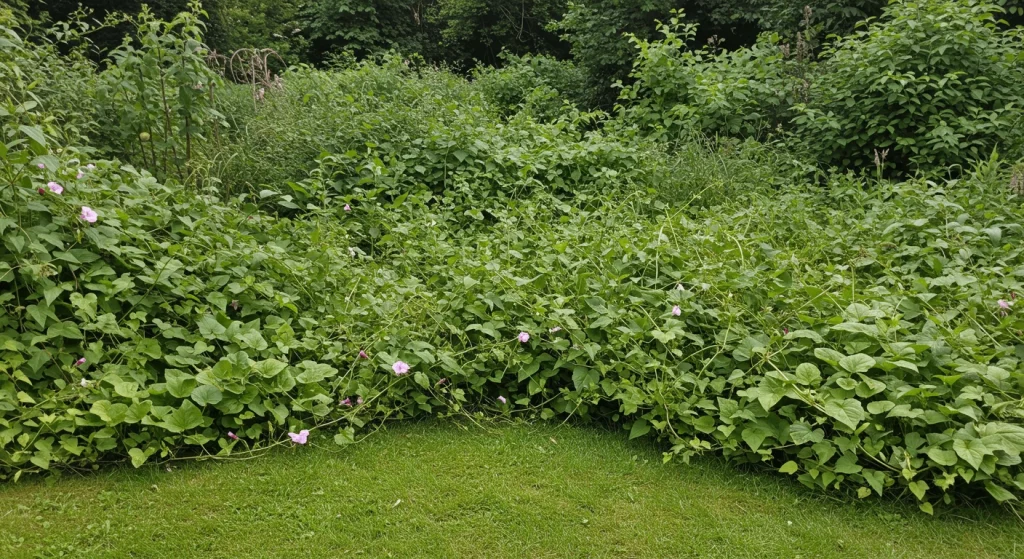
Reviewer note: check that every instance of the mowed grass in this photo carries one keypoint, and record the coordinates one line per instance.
(449, 490)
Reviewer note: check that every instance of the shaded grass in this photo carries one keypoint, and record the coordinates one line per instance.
(445, 490)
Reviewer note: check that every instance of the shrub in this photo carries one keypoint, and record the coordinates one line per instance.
(155, 100)
(539, 85)
(933, 84)
(744, 92)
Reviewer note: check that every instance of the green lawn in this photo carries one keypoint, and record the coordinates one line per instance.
(443, 490)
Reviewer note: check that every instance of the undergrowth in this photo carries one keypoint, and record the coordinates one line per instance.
(378, 242)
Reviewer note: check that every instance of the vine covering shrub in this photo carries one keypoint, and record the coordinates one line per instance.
(866, 340)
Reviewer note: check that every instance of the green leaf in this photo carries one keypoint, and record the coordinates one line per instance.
(808, 334)
(882, 406)
(314, 372)
(848, 412)
(184, 418)
(942, 457)
(875, 479)
(973, 451)
(269, 368)
(858, 363)
(847, 464)
(755, 435)
(138, 411)
(1000, 494)
(138, 456)
(584, 377)
(179, 384)
(789, 467)
(205, 395)
(918, 488)
(869, 387)
(640, 428)
(209, 327)
(111, 414)
(34, 133)
(828, 355)
(808, 374)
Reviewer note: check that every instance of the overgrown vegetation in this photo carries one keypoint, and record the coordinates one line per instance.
(327, 249)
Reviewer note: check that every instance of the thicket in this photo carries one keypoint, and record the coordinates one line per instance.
(929, 86)
(388, 240)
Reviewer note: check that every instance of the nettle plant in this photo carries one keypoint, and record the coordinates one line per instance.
(156, 97)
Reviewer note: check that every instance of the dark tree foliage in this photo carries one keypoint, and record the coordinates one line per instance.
(480, 30)
(368, 27)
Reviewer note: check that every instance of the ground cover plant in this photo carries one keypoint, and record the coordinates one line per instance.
(385, 241)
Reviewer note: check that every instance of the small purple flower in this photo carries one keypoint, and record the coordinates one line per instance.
(79, 175)
(363, 355)
(502, 400)
(785, 331)
(88, 214)
(555, 329)
(523, 337)
(1004, 304)
(300, 437)
(348, 208)
(55, 188)
(676, 311)
(442, 382)
(359, 401)
(41, 166)
(400, 368)
(80, 362)
(232, 436)
(347, 402)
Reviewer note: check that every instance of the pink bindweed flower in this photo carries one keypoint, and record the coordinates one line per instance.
(502, 400)
(523, 337)
(1003, 304)
(90, 166)
(232, 436)
(88, 214)
(347, 402)
(41, 166)
(676, 311)
(442, 382)
(359, 401)
(300, 437)
(348, 208)
(55, 188)
(80, 362)
(400, 368)
(363, 355)
(79, 175)
(785, 331)
(555, 329)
